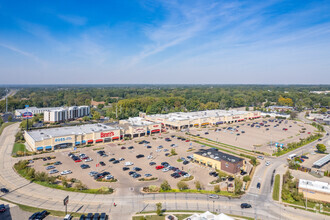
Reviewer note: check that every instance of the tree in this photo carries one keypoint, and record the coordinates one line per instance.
(173, 152)
(100, 106)
(293, 115)
(238, 186)
(96, 115)
(247, 108)
(165, 186)
(65, 182)
(182, 185)
(198, 185)
(321, 148)
(10, 118)
(86, 118)
(159, 209)
(23, 124)
(216, 188)
(246, 178)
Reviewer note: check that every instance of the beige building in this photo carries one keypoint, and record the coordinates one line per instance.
(63, 137)
(183, 120)
(139, 127)
(315, 190)
(216, 159)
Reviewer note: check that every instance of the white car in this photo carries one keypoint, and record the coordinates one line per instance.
(109, 177)
(53, 171)
(165, 169)
(65, 172)
(121, 159)
(267, 163)
(129, 163)
(150, 157)
(213, 196)
(88, 159)
(187, 175)
(159, 150)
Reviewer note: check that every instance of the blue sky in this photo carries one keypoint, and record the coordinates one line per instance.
(150, 41)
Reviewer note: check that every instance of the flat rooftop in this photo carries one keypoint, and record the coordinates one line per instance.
(137, 121)
(314, 185)
(43, 134)
(215, 154)
(322, 161)
(177, 116)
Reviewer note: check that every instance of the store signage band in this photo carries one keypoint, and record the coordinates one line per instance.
(108, 134)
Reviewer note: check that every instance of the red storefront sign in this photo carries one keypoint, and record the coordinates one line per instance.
(108, 134)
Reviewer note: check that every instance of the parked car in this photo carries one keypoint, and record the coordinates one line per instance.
(58, 163)
(88, 159)
(68, 217)
(112, 159)
(123, 148)
(185, 162)
(92, 173)
(165, 170)
(115, 162)
(65, 172)
(50, 167)
(159, 167)
(258, 185)
(2, 208)
(4, 190)
(131, 147)
(53, 171)
(41, 215)
(89, 216)
(109, 177)
(128, 163)
(245, 206)
(103, 216)
(267, 163)
(102, 163)
(147, 175)
(96, 216)
(152, 163)
(125, 168)
(84, 166)
(136, 169)
(139, 156)
(34, 215)
(121, 159)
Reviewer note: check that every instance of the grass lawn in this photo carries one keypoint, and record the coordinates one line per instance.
(4, 125)
(52, 212)
(18, 147)
(276, 190)
(149, 217)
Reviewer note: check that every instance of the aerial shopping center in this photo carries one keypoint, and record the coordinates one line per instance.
(63, 137)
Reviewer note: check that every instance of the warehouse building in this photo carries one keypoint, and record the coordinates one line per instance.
(139, 127)
(216, 159)
(64, 137)
(182, 120)
(315, 190)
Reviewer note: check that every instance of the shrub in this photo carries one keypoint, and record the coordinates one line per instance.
(246, 178)
(182, 185)
(216, 188)
(165, 186)
(159, 209)
(198, 185)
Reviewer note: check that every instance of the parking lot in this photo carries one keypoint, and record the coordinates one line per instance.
(141, 157)
(257, 134)
(127, 151)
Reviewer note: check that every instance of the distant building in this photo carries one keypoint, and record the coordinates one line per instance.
(315, 190)
(139, 127)
(278, 108)
(321, 118)
(184, 120)
(95, 103)
(218, 160)
(320, 92)
(66, 113)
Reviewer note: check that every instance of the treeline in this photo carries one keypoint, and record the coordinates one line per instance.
(163, 99)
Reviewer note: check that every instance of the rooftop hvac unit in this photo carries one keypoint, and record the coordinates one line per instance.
(212, 156)
(209, 153)
(216, 157)
(41, 133)
(204, 154)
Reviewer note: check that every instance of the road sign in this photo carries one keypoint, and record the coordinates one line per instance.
(66, 200)
(27, 115)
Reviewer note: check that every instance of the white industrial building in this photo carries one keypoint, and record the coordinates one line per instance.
(315, 190)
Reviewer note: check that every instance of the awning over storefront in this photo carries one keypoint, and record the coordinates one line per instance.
(99, 140)
(154, 131)
(219, 122)
(196, 124)
(40, 148)
(148, 132)
(77, 142)
(48, 147)
(83, 142)
(115, 138)
(206, 123)
(90, 141)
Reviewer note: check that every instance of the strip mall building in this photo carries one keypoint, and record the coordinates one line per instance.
(182, 120)
(64, 137)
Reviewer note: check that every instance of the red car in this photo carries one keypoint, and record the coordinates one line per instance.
(187, 140)
(77, 161)
(159, 167)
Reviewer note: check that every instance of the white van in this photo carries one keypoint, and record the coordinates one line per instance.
(291, 156)
(68, 217)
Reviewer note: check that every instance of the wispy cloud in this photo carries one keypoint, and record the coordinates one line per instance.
(72, 19)
(24, 53)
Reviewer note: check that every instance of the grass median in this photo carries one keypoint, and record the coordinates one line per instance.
(276, 189)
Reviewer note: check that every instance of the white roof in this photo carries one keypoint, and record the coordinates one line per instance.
(322, 161)
(314, 185)
(43, 134)
(209, 216)
(138, 121)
